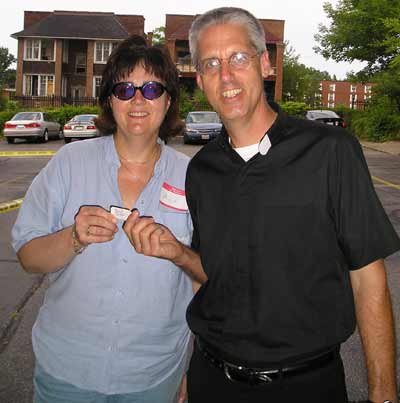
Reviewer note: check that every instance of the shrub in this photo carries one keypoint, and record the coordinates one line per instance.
(294, 108)
(379, 122)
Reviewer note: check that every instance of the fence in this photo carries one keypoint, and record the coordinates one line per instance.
(53, 101)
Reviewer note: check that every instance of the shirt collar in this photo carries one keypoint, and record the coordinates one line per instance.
(273, 136)
(111, 155)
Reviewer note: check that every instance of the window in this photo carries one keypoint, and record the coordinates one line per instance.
(80, 64)
(331, 104)
(353, 88)
(36, 85)
(331, 97)
(64, 86)
(96, 86)
(332, 87)
(368, 89)
(102, 51)
(353, 101)
(39, 49)
(65, 52)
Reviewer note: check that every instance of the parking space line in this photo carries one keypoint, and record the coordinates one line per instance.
(37, 153)
(12, 205)
(388, 184)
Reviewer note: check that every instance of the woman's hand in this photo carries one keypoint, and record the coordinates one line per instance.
(94, 224)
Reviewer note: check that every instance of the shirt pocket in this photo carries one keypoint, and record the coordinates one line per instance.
(178, 222)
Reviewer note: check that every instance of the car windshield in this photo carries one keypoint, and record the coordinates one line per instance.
(82, 119)
(205, 117)
(323, 114)
(26, 116)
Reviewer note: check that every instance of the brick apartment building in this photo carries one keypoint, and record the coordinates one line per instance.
(351, 95)
(63, 53)
(177, 41)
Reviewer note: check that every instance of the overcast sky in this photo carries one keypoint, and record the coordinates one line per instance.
(301, 19)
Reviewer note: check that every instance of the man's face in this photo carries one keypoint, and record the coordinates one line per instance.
(236, 94)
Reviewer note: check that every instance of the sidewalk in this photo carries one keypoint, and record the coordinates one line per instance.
(389, 147)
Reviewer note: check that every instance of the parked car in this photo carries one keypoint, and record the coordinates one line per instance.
(201, 127)
(326, 116)
(32, 125)
(80, 127)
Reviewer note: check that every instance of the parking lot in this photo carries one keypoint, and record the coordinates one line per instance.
(21, 294)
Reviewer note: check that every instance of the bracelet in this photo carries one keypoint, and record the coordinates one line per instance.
(78, 247)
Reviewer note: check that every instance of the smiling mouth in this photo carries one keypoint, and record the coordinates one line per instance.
(231, 93)
(138, 114)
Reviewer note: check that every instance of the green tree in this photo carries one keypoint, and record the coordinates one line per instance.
(7, 75)
(363, 30)
(300, 83)
(159, 36)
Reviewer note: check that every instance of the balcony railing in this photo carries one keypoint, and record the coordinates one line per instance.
(52, 101)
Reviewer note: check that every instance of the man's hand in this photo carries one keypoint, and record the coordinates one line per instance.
(94, 224)
(151, 238)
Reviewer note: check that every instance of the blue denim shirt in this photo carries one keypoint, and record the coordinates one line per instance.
(112, 320)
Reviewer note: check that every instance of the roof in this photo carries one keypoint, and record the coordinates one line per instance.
(84, 25)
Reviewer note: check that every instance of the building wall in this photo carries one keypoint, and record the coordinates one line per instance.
(176, 35)
(351, 95)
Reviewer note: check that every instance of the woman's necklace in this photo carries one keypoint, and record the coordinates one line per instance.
(140, 170)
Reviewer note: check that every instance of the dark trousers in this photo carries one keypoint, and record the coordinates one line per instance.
(208, 384)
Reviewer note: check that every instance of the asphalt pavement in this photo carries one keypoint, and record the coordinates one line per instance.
(19, 306)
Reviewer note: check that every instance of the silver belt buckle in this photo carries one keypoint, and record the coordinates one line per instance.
(262, 376)
(227, 374)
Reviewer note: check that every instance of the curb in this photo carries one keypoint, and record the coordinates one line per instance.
(11, 325)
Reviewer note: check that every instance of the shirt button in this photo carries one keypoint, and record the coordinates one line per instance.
(125, 260)
(116, 321)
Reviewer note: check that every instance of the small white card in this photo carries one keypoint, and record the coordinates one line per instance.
(121, 213)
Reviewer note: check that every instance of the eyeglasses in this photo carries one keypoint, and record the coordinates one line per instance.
(237, 61)
(127, 90)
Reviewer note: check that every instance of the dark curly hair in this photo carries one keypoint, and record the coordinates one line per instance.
(156, 60)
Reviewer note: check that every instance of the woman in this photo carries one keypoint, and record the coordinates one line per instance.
(113, 321)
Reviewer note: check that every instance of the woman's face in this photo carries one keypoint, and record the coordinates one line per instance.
(139, 116)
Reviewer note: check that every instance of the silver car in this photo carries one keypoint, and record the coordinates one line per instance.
(80, 127)
(201, 127)
(32, 125)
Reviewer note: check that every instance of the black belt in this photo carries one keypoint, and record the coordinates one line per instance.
(255, 376)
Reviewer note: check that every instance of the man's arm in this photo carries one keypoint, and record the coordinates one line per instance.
(153, 239)
(376, 328)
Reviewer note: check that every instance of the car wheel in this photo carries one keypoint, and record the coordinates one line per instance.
(10, 140)
(61, 134)
(67, 140)
(45, 137)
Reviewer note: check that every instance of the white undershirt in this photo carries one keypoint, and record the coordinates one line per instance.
(250, 151)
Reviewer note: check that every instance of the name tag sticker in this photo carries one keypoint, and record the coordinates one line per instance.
(121, 213)
(173, 197)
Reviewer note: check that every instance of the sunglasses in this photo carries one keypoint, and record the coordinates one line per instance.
(127, 90)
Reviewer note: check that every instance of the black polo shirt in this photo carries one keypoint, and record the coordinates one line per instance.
(277, 237)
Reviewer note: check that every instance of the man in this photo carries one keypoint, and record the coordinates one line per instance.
(288, 228)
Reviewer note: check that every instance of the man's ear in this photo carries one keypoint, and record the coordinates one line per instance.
(199, 81)
(266, 68)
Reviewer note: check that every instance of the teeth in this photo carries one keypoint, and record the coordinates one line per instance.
(138, 114)
(231, 93)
